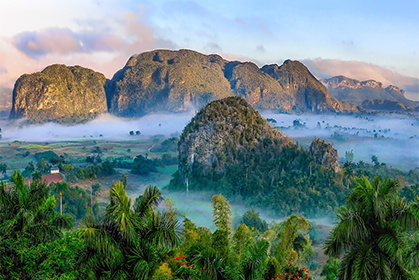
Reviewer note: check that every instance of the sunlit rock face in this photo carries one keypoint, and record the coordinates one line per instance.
(324, 154)
(167, 81)
(297, 81)
(176, 81)
(370, 94)
(60, 94)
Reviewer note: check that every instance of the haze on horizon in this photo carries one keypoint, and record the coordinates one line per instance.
(395, 133)
(359, 39)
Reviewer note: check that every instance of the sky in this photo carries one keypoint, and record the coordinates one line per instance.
(361, 39)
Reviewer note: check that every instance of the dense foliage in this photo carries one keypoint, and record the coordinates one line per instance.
(229, 148)
(377, 236)
(27, 220)
(372, 236)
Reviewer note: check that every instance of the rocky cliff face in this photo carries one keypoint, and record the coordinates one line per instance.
(59, 93)
(369, 94)
(218, 135)
(164, 80)
(257, 87)
(168, 81)
(297, 81)
(324, 154)
(174, 81)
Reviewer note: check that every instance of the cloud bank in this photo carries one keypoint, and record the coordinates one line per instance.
(96, 45)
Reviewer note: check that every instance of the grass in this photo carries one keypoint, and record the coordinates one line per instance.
(169, 169)
(35, 146)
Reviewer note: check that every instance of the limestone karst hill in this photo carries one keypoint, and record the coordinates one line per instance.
(167, 81)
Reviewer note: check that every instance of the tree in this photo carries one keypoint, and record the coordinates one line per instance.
(28, 210)
(60, 188)
(27, 219)
(349, 156)
(143, 166)
(96, 188)
(330, 270)
(29, 169)
(124, 180)
(91, 177)
(3, 168)
(251, 218)
(242, 238)
(295, 243)
(43, 166)
(255, 260)
(372, 232)
(374, 160)
(132, 239)
(221, 213)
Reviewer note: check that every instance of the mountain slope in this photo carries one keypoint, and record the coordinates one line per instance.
(163, 80)
(60, 94)
(167, 81)
(229, 148)
(369, 94)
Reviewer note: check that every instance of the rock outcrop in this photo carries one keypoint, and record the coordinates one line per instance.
(297, 81)
(170, 81)
(175, 81)
(229, 148)
(324, 154)
(370, 94)
(60, 94)
(221, 133)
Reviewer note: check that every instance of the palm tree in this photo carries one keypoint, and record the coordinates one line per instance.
(27, 219)
(131, 239)
(371, 235)
(60, 188)
(255, 259)
(28, 211)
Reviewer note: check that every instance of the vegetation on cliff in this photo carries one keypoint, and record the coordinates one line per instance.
(370, 94)
(59, 94)
(164, 80)
(229, 148)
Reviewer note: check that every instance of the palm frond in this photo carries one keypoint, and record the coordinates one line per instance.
(148, 201)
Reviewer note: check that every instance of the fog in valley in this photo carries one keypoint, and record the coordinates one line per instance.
(105, 127)
(393, 138)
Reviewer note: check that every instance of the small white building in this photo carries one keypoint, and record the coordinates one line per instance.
(54, 170)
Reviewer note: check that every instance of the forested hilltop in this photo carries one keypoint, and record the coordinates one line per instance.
(229, 148)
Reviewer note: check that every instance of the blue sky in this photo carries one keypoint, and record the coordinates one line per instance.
(361, 39)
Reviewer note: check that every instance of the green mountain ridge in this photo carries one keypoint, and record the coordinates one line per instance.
(229, 148)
